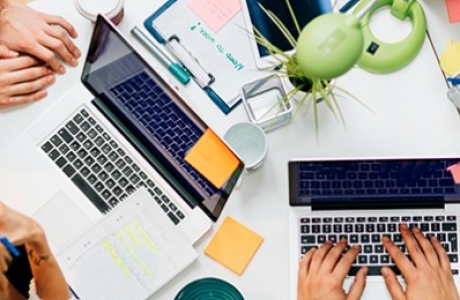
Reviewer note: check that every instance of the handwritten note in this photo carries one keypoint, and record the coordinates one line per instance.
(234, 245)
(215, 13)
(212, 158)
(453, 10)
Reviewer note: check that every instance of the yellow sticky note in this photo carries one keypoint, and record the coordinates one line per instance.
(233, 245)
(448, 60)
(212, 158)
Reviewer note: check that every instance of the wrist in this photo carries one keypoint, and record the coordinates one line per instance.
(37, 237)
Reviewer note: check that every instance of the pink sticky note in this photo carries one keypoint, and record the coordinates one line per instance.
(215, 13)
(453, 10)
(455, 171)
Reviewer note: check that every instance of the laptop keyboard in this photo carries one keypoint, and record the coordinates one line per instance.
(374, 178)
(368, 232)
(100, 167)
(163, 119)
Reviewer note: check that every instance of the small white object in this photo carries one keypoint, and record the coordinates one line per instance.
(249, 142)
(112, 9)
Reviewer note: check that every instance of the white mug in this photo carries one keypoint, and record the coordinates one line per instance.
(249, 142)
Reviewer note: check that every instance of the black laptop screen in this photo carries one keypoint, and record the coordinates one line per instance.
(369, 183)
(163, 127)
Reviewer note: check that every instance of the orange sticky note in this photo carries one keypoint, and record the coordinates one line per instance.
(212, 158)
(453, 10)
(233, 245)
(455, 171)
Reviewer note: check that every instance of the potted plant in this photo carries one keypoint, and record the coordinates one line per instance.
(308, 90)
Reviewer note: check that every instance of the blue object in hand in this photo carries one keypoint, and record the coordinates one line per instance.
(453, 80)
(9, 246)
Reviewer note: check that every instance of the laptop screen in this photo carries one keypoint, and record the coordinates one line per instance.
(159, 123)
(368, 183)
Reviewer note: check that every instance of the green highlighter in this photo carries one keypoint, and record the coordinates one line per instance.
(174, 68)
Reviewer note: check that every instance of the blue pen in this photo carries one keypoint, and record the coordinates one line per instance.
(180, 73)
(453, 80)
(9, 246)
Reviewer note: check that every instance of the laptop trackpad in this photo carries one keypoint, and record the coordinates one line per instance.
(375, 288)
(62, 220)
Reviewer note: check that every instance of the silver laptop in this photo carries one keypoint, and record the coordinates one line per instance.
(363, 199)
(123, 128)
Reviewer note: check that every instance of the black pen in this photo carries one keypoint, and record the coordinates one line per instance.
(180, 73)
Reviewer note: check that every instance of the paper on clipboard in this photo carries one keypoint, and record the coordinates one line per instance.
(226, 54)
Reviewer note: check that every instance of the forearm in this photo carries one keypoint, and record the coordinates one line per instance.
(49, 279)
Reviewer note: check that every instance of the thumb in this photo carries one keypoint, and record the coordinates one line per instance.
(393, 286)
(5, 52)
(357, 288)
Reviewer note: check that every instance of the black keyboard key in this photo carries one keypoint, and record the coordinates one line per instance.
(305, 229)
(64, 149)
(453, 258)
(106, 194)
(373, 270)
(69, 170)
(362, 259)
(47, 147)
(71, 156)
(113, 202)
(85, 126)
(95, 152)
(92, 133)
(449, 227)
(96, 168)
(85, 171)
(56, 141)
(65, 135)
(90, 193)
(173, 218)
(172, 206)
(365, 238)
(77, 164)
(134, 179)
(84, 113)
(180, 214)
(61, 161)
(78, 118)
(308, 239)
(99, 186)
(81, 137)
(374, 259)
(54, 154)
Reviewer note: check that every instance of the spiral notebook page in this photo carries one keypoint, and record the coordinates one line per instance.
(130, 254)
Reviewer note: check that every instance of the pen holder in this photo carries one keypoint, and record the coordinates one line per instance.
(265, 102)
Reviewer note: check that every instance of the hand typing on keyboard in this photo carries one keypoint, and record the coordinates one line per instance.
(427, 273)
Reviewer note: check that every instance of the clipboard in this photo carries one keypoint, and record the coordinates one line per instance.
(220, 62)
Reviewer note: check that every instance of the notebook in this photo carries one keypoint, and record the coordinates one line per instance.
(362, 200)
(120, 129)
(128, 255)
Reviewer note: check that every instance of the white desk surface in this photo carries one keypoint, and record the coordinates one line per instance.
(411, 117)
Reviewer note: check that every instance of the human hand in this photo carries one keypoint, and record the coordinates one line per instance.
(428, 276)
(5, 259)
(23, 79)
(322, 273)
(19, 228)
(43, 36)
